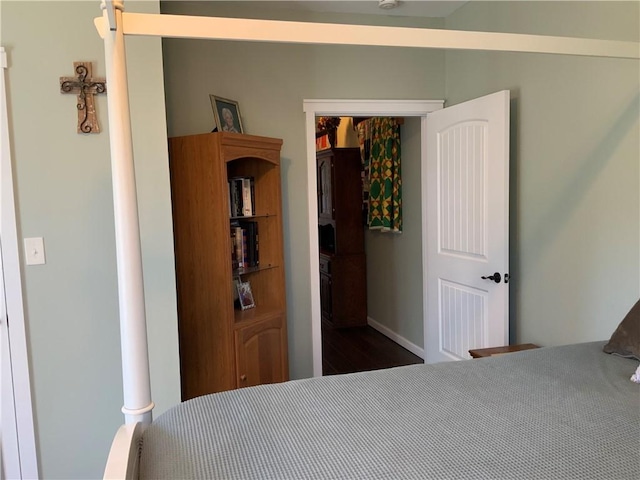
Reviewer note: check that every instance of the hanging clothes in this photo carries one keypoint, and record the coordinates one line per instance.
(363, 128)
(384, 175)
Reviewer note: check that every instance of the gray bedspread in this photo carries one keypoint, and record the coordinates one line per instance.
(561, 412)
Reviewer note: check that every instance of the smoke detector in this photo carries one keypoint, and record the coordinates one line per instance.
(388, 4)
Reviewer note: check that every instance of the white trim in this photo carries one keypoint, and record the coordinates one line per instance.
(14, 300)
(215, 28)
(314, 250)
(399, 339)
(425, 243)
(356, 108)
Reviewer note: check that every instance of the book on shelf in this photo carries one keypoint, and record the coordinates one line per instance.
(244, 239)
(235, 202)
(247, 208)
(251, 229)
(241, 197)
(236, 235)
(245, 249)
(234, 256)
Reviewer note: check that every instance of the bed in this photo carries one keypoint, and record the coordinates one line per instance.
(559, 412)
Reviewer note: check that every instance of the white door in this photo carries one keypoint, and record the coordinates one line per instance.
(18, 447)
(467, 228)
(9, 455)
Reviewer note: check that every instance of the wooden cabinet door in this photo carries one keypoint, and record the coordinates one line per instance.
(325, 188)
(326, 302)
(261, 353)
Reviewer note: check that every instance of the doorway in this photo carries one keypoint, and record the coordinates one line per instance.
(370, 280)
(464, 192)
(356, 108)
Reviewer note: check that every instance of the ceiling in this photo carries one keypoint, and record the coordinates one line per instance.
(408, 8)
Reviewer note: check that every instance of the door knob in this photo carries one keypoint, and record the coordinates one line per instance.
(496, 277)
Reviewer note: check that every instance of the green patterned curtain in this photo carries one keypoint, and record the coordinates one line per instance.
(385, 182)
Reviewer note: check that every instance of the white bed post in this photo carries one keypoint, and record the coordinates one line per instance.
(133, 329)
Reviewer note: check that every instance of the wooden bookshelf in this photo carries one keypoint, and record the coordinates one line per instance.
(222, 347)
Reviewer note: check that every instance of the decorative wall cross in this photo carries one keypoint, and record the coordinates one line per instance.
(85, 87)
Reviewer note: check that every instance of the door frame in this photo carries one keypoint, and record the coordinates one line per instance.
(355, 108)
(10, 251)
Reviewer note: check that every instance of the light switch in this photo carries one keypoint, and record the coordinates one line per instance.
(34, 251)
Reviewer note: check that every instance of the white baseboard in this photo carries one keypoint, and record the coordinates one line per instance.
(403, 342)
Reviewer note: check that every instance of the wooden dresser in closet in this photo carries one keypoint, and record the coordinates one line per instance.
(343, 275)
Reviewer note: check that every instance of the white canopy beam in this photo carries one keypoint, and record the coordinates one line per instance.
(133, 328)
(184, 26)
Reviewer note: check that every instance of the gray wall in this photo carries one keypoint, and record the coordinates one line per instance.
(574, 164)
(63, 193)
(394, 262)
(270, 82)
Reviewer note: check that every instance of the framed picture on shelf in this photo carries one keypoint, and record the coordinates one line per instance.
(226, 114)
(236, 297)
(245, 295)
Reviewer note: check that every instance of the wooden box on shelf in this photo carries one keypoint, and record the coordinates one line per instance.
(221, 346)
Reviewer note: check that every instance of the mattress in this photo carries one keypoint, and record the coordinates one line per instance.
(558, 412)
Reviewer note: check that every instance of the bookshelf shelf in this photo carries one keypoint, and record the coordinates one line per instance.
(222, 347)
(238, 272)
(250, 217)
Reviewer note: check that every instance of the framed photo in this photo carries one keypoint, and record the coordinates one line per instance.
(245, 295)
(227, 114)
(235, 283)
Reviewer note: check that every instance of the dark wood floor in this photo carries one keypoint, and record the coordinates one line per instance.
(358, 349)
